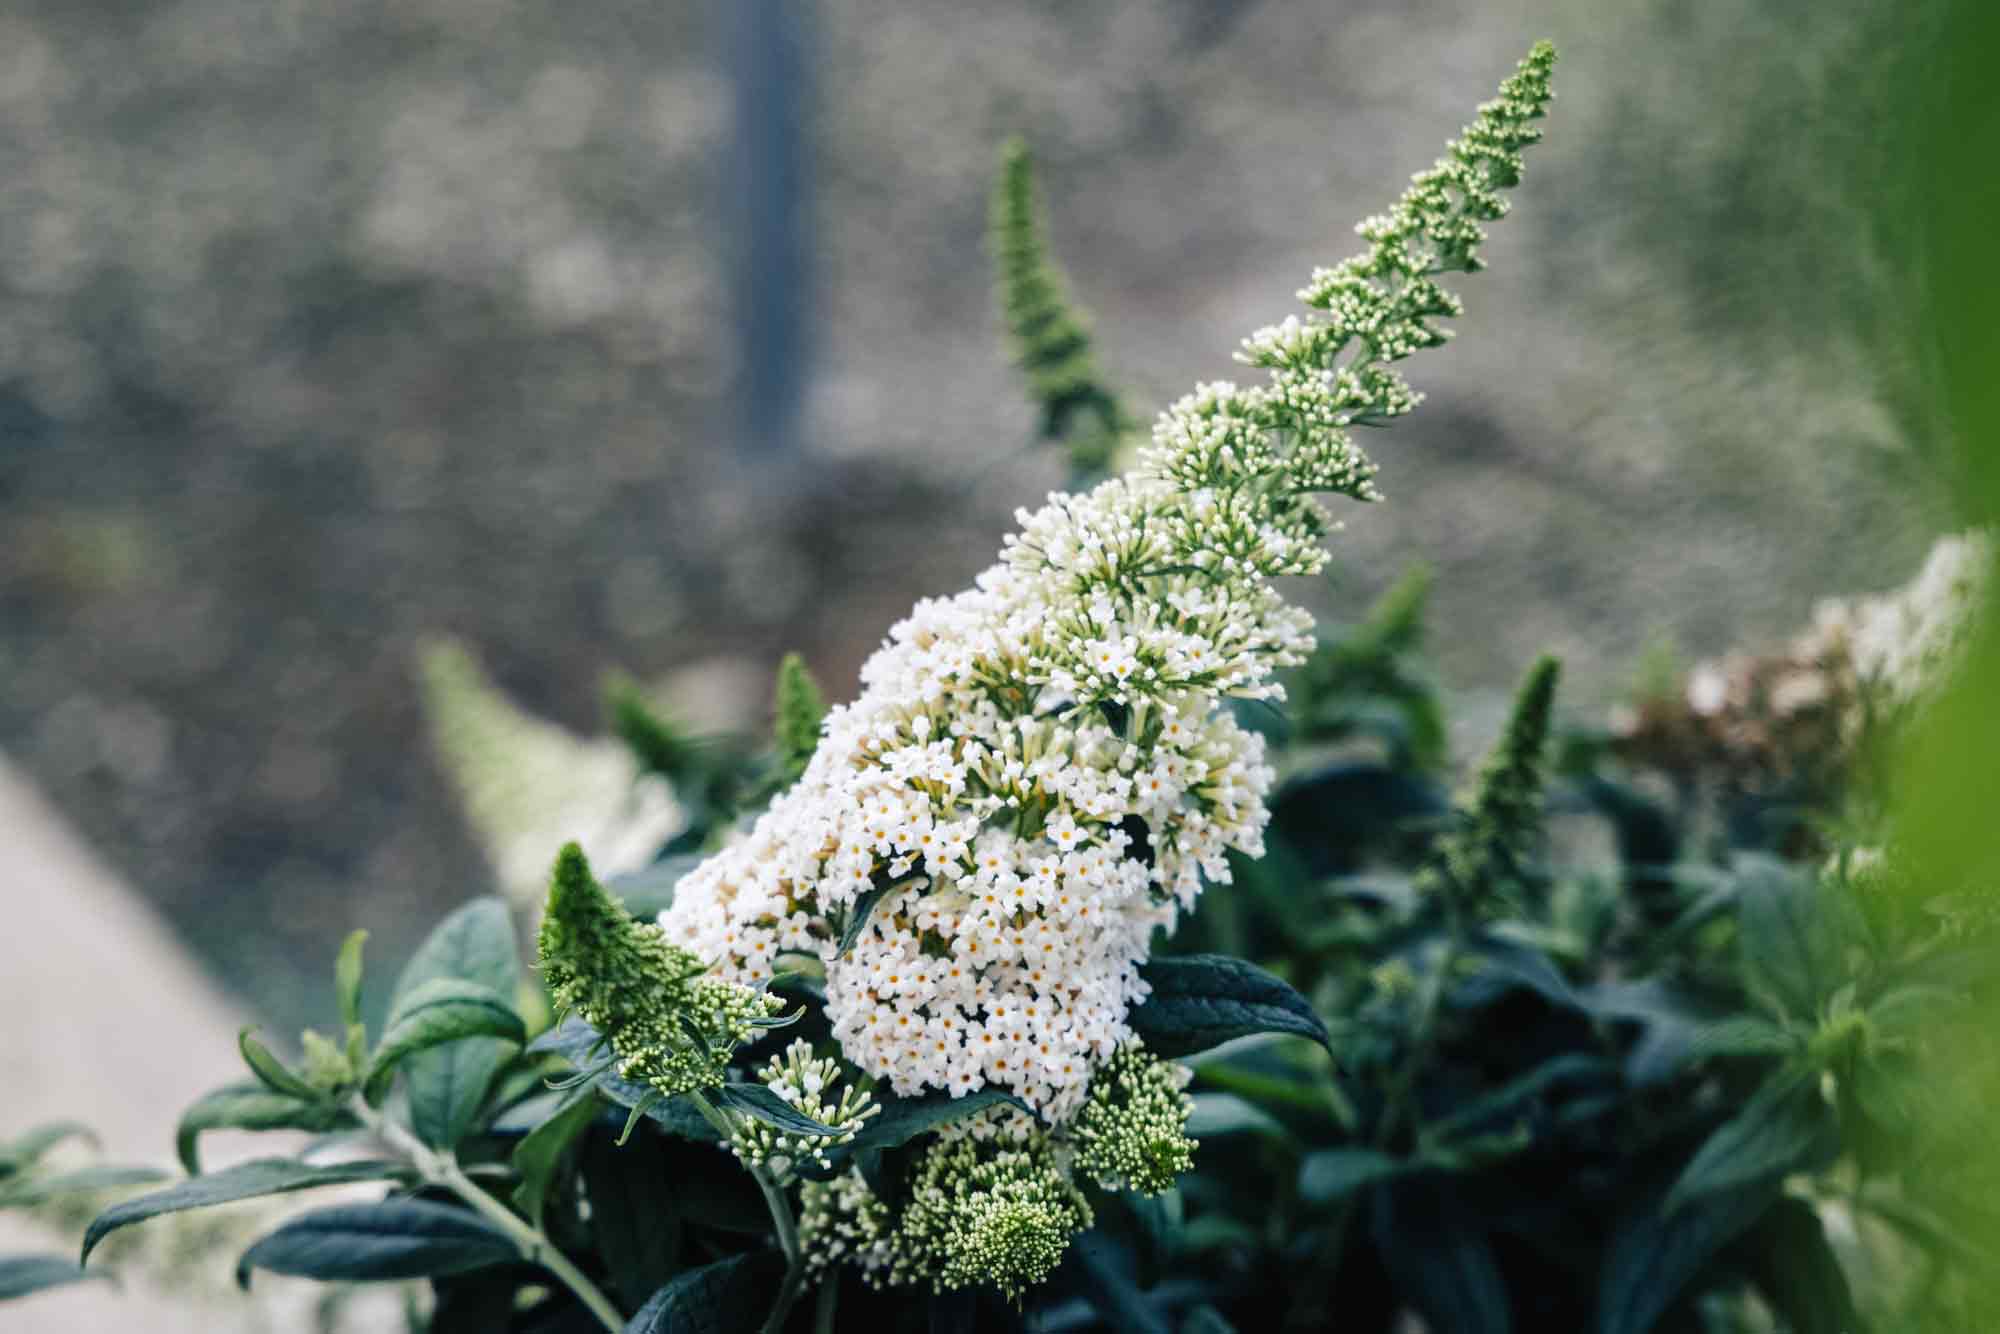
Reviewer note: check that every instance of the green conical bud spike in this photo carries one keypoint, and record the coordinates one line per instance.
(799, 708)
(1051, 340)
(1395, 624)
(655, 743)
(669, 1026)
(1480, 863)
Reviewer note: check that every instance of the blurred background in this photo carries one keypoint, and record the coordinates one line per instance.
(659, 337)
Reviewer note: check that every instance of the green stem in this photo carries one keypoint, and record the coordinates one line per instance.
(824, 1304)
(781, 1218)
(440, 1168)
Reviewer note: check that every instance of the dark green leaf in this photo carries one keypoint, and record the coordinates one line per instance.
(757, 1101)
(447, 1084)
(251, 1106)
(1440, 1258)
(710, 1189)
(393, 1239)
(727, 1297)
(1206, 1320)
(24, 1151)
(1504, 965)
(1334, 817)
(270, 1071)
(903, 1119)
(442, 1010)
(1200, 1001)
(1670, 1021)
(1104, 1277)
(19, 1194)
(261, 1176)
(635, 1208)
(1790, 944)
(23, 1274)
(1798, 1273)
(1785, 1128)
(1157, 1222)
(1653, 1255)
(864, 907)
(1333, 1174)
(1219, 1114)
(541, 1151)
(1515, 1097)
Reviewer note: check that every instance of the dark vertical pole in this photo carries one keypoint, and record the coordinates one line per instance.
(770, 272)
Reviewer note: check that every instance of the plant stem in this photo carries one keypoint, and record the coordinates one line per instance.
(440, 1168)
(781, 1218)
(824, 1304)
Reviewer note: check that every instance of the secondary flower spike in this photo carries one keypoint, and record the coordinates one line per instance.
(667, 1024)
(1042, 770)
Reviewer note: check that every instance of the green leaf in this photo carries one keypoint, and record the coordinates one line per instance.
(393, 1239)
(270, 1071)
(20, 1194)
(261, 1176)
(1653, 1255)
(1741, 1035)
(726, 1297)
(758, 1102)
(541, 1151)
(864, 905)
(1329, 1175)
(251, 1106)
(1790, 944)
(23, 1274)
(1785, 1128)
(1200, 1001)
(1440, 1258)
(25, 1150)
(444, 1009)
(347, 978)
(446, 1085)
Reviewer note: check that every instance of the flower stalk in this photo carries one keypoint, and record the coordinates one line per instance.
(440, 1168)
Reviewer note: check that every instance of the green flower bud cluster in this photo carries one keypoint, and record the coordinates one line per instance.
(806, 1083)
(1132, 1131)
(987, 1203)
(327, 1064)
(987, 1211)
(843, 1222)
(669, 1026)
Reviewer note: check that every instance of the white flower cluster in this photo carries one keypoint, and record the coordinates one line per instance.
(1908, 640)
(1031, 845)
(528, 784)
(1040, 771)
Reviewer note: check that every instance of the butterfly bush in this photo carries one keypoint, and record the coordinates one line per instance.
(1043, 770)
